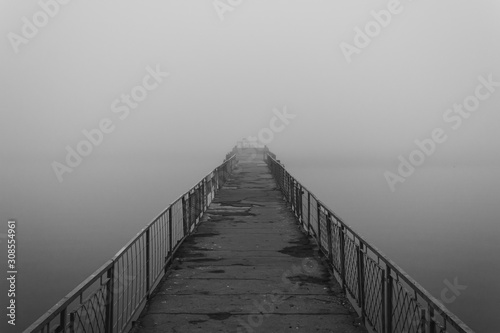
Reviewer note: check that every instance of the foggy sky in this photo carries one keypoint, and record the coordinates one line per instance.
(227, 76)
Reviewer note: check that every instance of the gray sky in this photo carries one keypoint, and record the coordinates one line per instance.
(227, 76)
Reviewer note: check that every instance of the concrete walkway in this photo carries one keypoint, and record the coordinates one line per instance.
(248, 268)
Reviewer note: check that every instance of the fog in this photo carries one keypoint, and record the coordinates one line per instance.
(213, 72)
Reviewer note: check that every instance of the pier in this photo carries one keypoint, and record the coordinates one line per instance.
(248, 267)
(249, 249)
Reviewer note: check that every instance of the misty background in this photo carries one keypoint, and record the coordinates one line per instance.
(226, 77)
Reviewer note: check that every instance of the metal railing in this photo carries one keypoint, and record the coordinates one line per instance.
(113, 296)
(387, 299)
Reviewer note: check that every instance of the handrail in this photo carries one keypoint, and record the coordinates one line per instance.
(385, 296)
(115, 294)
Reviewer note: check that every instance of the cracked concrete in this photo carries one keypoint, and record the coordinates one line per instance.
(248, 268)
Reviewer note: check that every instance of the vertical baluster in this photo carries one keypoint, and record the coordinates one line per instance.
(197, 203)
(308, 212)
(148, 254)
(301, 193)
(342, 257)
(110, 275)
(382, 298)
(190, 213)
(329, 236)
(361, 279)
(423, 321)
(204, 194)
(200, 199)
(62, 320)
(216, 177)
(170, 236)
(318, 213)
(184, 216)
(431, 322)
(297, 199)
(294, 199)
(282, 179)
(71, 323)
(283, 185)
(388, 299)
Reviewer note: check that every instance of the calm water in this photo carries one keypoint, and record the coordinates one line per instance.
(441, 224)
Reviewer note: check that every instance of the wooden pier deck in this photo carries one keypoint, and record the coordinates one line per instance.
(248, 268)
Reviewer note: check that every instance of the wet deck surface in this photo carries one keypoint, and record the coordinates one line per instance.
(248, 268)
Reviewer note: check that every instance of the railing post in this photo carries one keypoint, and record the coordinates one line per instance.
(308, 212)
(342, 257)
(361, 279)
(71, 323)
(190, 213)
(318, 212)
(294, 196)
(301, 208)
(388, 299)
(62, 321)
(148, 264)
(284, 180)
(197, 202)
(297, 200)
(191, 209)
(170, 230)
(110, 275)
(278, 175)
(382, 300)
(216, 180)
(285, 183)
(329, 237)
(297, 206)
(423, 321)
(184, 216)
(203, 196)
(199, 198)
(431, 322)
